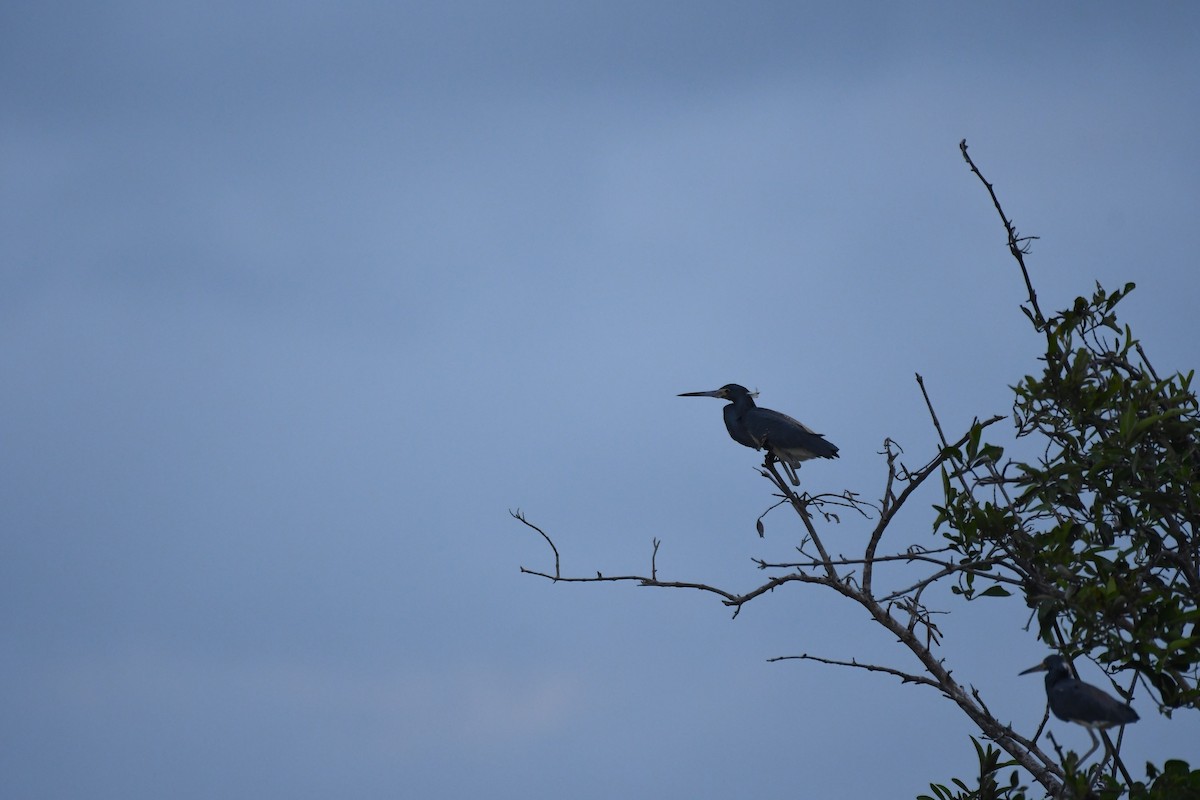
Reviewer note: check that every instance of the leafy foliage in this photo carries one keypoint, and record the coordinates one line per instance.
(1174, 782)
(989, 787)
(1101, 530)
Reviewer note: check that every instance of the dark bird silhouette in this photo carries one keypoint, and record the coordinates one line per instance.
(788, 440)
(1072, 700)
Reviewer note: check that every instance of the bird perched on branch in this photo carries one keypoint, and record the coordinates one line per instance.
(1072, 700)
(784, 438)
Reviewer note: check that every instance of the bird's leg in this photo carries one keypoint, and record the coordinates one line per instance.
(787, 468)
(1095, 744)
(769, 471)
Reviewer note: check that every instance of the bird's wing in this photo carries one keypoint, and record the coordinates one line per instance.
(1075, 701)
(785, 433)
(791, 421)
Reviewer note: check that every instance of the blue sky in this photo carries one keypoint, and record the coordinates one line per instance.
(298, 299)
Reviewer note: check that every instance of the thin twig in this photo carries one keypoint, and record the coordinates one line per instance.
(641, 580)
(1017, 245)
(801, 508)
(904, 677)
(517, 515)
(933, 414)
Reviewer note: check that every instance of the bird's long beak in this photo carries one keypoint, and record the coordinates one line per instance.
(713, 393)
(1039, 668)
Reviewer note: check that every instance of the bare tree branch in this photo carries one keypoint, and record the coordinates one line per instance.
(902, 610)
(905, 677)
(517, 515)
(1017, 245)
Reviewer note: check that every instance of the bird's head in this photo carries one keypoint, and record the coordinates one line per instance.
(1053, 663)
(730, 391)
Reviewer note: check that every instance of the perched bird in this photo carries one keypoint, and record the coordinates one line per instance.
(788, 440)
(1072, 700)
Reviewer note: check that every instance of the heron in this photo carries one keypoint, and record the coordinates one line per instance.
(784, 438)
(1072, 700)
